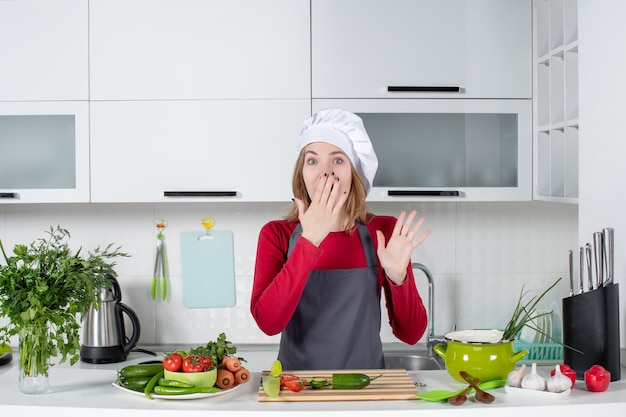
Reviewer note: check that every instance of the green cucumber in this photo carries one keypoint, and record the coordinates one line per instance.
(164, 390)
(351, 381)
(136, 383)
(133, 371)
(317, 383)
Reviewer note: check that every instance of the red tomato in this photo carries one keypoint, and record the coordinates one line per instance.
(191, 364)
(567, 371)
(597, 378)
(295, 385)
(284, 378)
(173, 362)
(205, 361)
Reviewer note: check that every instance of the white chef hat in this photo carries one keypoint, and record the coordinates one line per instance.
(346, 131)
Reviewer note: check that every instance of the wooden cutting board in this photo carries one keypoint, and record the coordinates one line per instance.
(394, 384)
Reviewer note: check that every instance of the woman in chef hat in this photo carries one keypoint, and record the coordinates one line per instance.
(319, 272)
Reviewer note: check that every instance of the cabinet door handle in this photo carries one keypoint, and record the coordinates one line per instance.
(423, 193)
(423, 89)
(8, 195)
(200, 193)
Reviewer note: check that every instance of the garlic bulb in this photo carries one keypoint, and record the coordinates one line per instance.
(514, 379)
(533, 380)
(559, 382)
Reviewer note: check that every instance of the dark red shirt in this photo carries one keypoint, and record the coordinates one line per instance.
(279, 282)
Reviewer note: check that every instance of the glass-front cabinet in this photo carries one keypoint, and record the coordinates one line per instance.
(44, 147)
(446, 149)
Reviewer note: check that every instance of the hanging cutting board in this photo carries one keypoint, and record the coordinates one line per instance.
(208, 269)
(394, 384)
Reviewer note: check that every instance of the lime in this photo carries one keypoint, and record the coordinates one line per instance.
(276, 369)
(271, 385)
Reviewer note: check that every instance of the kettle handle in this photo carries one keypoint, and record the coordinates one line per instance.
(132, 342)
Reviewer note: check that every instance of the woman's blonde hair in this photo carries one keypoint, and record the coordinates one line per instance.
(355, 206)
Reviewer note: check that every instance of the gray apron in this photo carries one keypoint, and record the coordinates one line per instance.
(337, 322)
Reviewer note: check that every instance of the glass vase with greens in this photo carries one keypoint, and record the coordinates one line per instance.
(45, 290)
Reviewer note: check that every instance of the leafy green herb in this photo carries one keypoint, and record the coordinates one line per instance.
(217, 349)
(45, 289)
(525, 313)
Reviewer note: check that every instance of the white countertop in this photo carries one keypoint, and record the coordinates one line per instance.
(86, 390)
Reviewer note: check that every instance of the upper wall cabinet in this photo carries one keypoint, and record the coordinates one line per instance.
(421, 48)
(194, 150)
(199, 49)
(556, 105)
(43, 48)
(45, 152)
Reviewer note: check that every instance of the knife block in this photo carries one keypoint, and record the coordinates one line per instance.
(591, 325)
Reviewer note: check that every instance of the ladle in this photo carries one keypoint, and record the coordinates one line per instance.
(481, 396)
(462, 397)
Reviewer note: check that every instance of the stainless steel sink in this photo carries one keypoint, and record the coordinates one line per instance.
(412, 361)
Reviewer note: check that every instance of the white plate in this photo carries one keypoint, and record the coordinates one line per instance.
(179, 397)
(532, 393)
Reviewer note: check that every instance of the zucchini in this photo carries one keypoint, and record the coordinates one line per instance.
(136, 383)
(351, 381)
(133, 371)
(165, 390)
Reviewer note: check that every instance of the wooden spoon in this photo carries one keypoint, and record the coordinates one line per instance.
(481, 396)
(462, 397)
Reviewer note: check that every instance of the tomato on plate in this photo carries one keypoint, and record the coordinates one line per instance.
(191, 364)
(205, 361)
(173, 362)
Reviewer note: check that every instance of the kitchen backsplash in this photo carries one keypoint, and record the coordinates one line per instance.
(480, 255)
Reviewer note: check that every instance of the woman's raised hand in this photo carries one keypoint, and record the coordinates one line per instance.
(395, 255)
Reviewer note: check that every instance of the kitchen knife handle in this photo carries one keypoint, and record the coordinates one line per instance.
(571, 273)
(581, 270)
(589, 267)
(599, 258)
(608, 241)
(423, 89)
(8, 195)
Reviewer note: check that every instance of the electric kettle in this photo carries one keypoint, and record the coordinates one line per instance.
(104, 334)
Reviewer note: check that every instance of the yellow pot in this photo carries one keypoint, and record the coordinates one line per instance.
(480, 353)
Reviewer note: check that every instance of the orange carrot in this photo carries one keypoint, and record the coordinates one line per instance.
(225, 378)
(231, 363)
(242, 376)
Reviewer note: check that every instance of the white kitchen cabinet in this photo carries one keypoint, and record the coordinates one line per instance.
(43, 48)
(421, 48)
(194, 150)
(556, 105)
(45, 152)
(199, 49)
(447, 149)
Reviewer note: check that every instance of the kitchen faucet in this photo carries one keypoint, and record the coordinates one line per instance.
(431, 340)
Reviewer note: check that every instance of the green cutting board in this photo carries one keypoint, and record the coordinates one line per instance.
(208, 269)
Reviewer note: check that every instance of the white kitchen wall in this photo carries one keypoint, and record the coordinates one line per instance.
(602, 64)
(480, 254)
